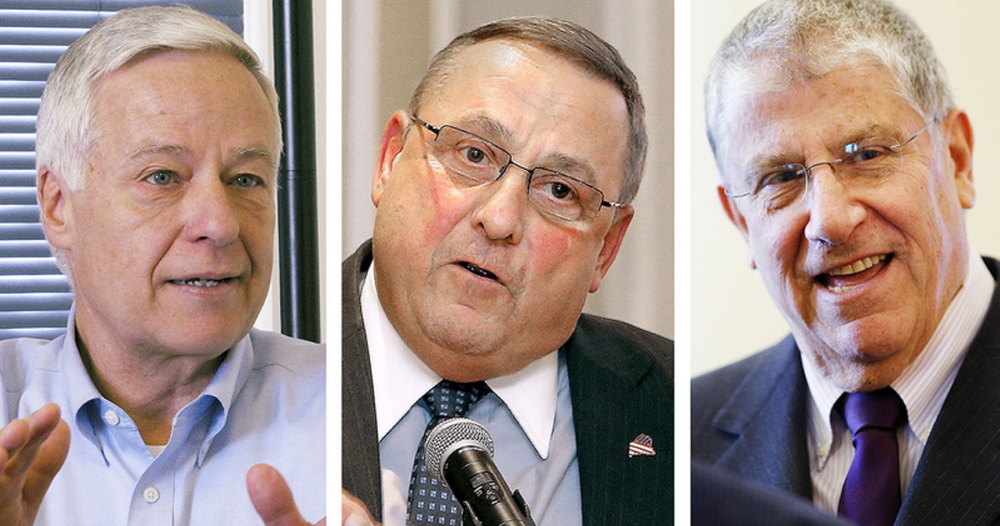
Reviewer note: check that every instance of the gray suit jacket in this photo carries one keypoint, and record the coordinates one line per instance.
(620, 383)
(750, 418)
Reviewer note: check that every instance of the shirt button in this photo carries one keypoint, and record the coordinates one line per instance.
(111, 417)
(151, 495)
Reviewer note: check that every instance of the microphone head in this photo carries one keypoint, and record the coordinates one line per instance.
(448, 436)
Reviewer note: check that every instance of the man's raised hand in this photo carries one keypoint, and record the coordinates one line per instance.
(32, 450)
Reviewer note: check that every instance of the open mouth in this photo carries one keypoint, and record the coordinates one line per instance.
(200, 282)
(479, 271)
(850, 276)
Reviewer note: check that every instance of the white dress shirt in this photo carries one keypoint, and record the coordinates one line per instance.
(923, 386)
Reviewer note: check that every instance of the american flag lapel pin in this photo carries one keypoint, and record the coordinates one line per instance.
(642, 445)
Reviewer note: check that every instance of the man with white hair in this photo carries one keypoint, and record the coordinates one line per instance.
(157, 153)
(846, 166)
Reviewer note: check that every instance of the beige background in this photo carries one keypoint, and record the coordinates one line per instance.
(387, 44)
(731, 314)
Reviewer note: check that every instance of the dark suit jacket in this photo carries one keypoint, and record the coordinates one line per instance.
(750, 418)
(620, 383)
(719, 498)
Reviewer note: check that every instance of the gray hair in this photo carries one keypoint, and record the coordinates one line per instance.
(64, 133)
(567, 40)
(784, 41)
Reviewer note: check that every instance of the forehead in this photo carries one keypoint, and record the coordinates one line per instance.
(182, 84)
(808, 118)
(548, 104)
(183, 98)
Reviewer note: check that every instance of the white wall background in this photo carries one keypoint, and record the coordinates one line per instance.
(387, 44)
(732, 315)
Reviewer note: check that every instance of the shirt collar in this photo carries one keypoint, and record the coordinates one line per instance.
(400, 378)
(224, 387)
(924, 384)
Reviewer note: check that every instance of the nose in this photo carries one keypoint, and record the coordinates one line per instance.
(833, 210)
(500, 215)
(208, 213)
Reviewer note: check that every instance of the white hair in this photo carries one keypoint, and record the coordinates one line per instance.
(786, 41)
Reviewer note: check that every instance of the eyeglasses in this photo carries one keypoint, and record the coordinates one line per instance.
(472, 161)
(865, 163)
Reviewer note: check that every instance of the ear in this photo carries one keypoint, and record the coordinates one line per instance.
(734, 214)
(392, 147)
(55, 203)
(612, 242)
(960, 142)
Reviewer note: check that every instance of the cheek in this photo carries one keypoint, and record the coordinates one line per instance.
(430, 210)
(776, 247)
(257, 233)
(561, 256)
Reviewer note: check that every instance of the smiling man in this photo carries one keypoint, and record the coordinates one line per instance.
(158, 144)
(503, 197)
(847, 169)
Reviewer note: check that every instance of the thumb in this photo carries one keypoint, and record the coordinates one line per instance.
(272, 498)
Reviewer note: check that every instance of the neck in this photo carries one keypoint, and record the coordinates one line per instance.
(150, 385)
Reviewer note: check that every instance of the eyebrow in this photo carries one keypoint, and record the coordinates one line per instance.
(496, 132)
(253, 153)
(247, 153)
(490, 128)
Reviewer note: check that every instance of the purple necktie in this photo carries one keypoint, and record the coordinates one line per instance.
(871, 495)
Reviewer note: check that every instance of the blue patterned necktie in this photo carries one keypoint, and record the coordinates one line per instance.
(872, 495)
(430, 500)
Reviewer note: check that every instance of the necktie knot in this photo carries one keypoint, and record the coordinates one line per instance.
(882, 409)
(450, 399)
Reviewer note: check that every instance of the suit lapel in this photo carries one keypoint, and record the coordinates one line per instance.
(766, 415)
(958, 478)
(360, 456)
(617, 395)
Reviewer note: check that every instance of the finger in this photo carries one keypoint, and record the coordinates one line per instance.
(41, 423)
(12, 438)
(272, 498)
(353, 511)
(50, 458)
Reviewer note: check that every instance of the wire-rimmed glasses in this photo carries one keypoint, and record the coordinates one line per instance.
(865, 163)
(471, 161)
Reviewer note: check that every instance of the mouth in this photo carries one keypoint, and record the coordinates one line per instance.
(852, 275)
(479, 271)
(202, 283)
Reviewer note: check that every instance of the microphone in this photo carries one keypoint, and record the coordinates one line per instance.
(459, 451)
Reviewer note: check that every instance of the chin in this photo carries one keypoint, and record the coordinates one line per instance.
(470, 342)
(207, 340)
(859, 364)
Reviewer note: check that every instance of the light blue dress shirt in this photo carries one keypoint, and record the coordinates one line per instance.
(266, 404)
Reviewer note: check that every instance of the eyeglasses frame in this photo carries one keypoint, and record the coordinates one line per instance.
(807, 170)
(436, 130)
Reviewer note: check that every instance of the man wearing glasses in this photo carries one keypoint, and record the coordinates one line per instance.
(847, 168)
(502, 199)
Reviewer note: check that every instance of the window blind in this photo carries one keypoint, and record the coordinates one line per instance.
(35, 297)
